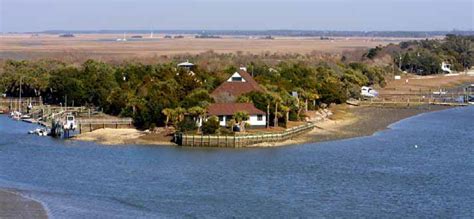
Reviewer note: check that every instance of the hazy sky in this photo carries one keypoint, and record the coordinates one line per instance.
(365, 15)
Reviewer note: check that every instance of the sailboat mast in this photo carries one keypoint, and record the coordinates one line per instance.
(19, 100)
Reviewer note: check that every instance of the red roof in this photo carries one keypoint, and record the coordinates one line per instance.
(237, 88)
(228, 109)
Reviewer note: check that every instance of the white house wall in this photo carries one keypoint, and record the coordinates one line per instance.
(253, 121)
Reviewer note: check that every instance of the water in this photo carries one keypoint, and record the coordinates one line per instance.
(383, 175)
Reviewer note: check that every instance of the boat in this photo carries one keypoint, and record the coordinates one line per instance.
(122, 39)
(16, 115)
(440, 92)
(39, 132)
(70, 123)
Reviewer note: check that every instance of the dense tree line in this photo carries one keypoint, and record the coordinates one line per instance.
(425, 57)
(162, 94)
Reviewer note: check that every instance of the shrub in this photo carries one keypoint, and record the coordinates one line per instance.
(210, 126)
(186, 125)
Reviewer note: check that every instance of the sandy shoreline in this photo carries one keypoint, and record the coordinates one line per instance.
(13, 205)
(110, 136)
(350, 122)
(346, 122)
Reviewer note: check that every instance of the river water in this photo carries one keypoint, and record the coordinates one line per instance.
(420, 167)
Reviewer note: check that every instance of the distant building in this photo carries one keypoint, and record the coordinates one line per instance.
(188, 66)
(67, 35)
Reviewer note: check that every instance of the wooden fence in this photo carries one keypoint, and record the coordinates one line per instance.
(89, 125)
(407, 101)
(237, 141)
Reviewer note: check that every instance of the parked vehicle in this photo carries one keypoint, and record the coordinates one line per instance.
(368, 92)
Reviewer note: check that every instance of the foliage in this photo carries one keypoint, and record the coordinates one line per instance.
(241, 118)
(424, 57)
(162, 94)
(186, 125)
(210, 126)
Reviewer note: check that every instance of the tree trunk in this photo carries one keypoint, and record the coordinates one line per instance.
(306, 105)
(287, 118)
(167, 121)
(268, 115)
(276, 116)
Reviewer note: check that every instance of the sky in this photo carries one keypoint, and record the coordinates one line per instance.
(350, 15)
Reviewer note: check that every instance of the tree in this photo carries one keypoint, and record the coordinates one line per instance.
(240, 118)
(186, 125)
(169, 114)
(198, 113)
(198, 97)
(210, 126)
(180, 113)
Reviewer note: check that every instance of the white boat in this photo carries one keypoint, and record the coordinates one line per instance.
(15, 115)
(70, 123)
(122, 39)
(39, 132)
(368, 92)
(440, 92)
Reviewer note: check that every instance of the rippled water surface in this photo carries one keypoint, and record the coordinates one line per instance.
(383, 175)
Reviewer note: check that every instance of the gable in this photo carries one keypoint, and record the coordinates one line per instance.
(236, 77)
(231, 88)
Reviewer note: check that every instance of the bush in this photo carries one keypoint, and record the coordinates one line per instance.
(188, 124)
(210, 126)
(225, 131)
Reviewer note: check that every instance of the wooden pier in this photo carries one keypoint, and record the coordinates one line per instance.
(89, 125)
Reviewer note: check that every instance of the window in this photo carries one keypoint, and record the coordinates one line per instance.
(236, 78)
(259, 117)
(221, 118)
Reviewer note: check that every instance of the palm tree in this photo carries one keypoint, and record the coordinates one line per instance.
(286, 110)
(198, 112)
(168, 112)
(277, 100)
(180, 113)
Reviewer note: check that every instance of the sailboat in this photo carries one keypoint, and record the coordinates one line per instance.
(16, 115)
(122, 39)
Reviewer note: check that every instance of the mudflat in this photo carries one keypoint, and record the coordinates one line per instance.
(13, 205)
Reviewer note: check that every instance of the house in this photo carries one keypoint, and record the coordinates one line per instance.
(225, 111)
(226, 95)
(239, 83)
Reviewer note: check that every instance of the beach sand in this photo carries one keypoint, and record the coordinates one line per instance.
(346, 122)
(13, 205)
(110, 136)
(350, 122)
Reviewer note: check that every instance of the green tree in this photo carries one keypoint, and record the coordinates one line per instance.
(240, 118)
(168, 114)
(210, 126)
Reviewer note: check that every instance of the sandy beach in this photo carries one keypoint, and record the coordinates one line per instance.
(350, 122)
(110, 136)
(346, 122)
(13, 205)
